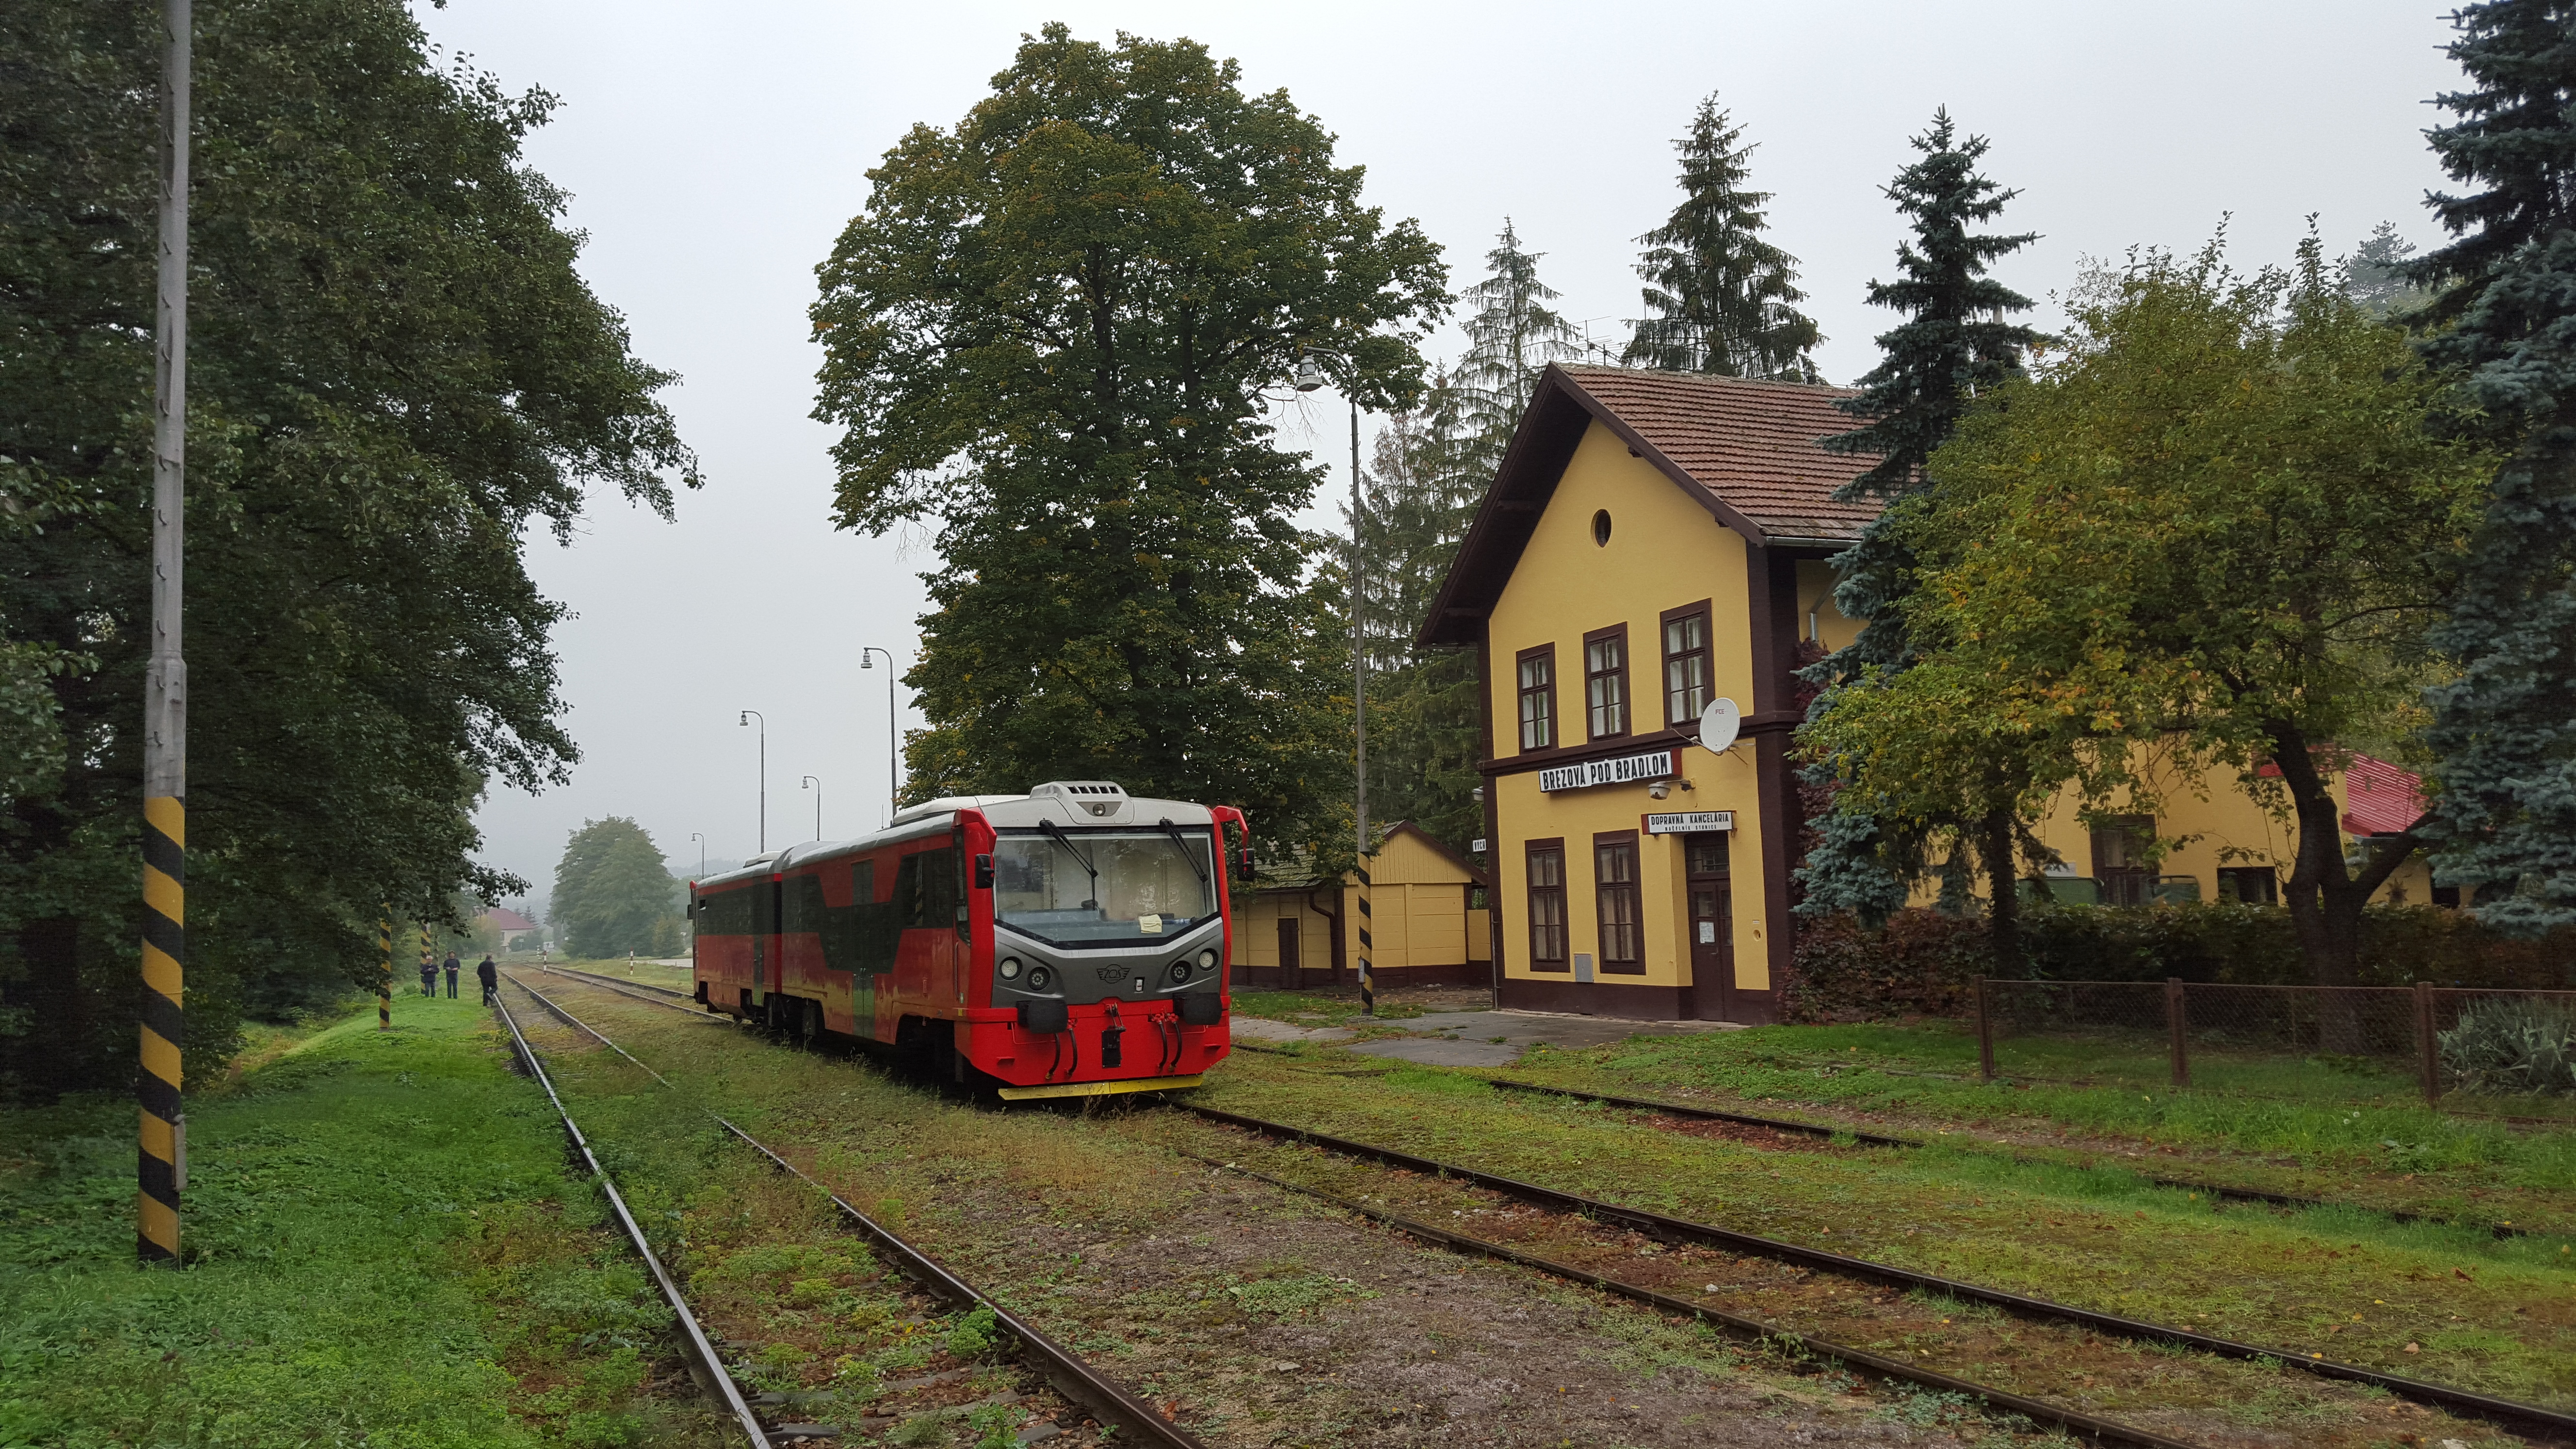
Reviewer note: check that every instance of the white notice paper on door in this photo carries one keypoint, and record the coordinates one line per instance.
(1708, 933)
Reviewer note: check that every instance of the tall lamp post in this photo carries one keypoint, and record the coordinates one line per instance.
(702, 853)
(747, 717)
(818, 804)
(894, 752)
(1310, 376)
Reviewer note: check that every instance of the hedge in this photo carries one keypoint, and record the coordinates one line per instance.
(1922, 961)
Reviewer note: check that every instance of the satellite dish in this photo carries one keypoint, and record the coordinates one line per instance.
(1718, 725)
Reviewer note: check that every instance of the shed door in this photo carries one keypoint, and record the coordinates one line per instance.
(1711, 926)
(1289, 960)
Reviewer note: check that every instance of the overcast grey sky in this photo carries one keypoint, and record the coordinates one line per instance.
(713, 152)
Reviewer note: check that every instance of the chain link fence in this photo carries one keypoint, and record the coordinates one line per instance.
(2462, 1049)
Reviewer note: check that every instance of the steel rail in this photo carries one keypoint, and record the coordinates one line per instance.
(616, 983)
(1671, 1229)
(692, 1335)
(1880, 1139)
(1076, 1380)
(2106, 1431)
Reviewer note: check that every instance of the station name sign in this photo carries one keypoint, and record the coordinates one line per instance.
(1607, 772)
(1690, 822)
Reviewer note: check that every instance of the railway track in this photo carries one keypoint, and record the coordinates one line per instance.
(1080, 1383)
(2553, 1425)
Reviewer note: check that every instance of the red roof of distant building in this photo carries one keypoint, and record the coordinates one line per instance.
(2378, 798)
(508, 920)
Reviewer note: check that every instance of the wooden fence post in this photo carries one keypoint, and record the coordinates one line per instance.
(2173, 1028)
(2428, 1060)
(1985, 1036)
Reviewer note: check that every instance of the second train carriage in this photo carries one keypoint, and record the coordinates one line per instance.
(1069, 941)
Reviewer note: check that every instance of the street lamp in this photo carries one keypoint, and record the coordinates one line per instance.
(747, 717)
(818, 804)
(894, 754)
(1310, 376)
(702, 853)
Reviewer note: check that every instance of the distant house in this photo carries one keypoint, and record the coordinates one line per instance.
(506, 926)
(1427, 911)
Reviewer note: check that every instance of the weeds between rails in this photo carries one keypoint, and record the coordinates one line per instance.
(708, 1364)
(1067, 1372)
(1663, 1228)
(1830, 1132)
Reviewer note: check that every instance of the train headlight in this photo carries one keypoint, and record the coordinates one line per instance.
(1010, 968)
(1207, 960)
(1039, 976)
(1180, 972)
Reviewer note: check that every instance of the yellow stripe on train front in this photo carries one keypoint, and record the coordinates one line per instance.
(1103, 1089)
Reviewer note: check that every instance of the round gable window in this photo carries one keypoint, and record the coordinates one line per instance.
(1601, 529)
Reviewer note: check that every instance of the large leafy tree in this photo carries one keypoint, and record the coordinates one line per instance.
(2212, 535)
(1719, 297)
(612, 890)
(2504, 726)
(1957, 341)
(396, 371)
(1050, 332)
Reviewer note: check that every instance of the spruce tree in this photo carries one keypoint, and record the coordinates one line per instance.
(1512, 335)
(1429, 473)
(1954, 344)
(2376, 274)
(2504, 728)
(1720, 298)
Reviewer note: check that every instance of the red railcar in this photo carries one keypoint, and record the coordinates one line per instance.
(1070, 941)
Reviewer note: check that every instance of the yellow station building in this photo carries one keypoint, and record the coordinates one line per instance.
(1429, 921)
(1654, 542)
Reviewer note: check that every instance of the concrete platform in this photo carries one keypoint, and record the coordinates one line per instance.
(1262, 1029)
(1468, 1038)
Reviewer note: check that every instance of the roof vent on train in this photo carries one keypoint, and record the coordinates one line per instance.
(1094, 797)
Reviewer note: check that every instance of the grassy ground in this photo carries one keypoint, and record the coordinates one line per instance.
(2499, 1316)
(2389, 1152)
(1342, 1007)
(383, 1249)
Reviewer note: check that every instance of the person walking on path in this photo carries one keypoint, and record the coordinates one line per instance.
(490, 976)
(428, 975)
(451, 975)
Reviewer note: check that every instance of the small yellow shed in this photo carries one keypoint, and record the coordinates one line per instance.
(1426, 903)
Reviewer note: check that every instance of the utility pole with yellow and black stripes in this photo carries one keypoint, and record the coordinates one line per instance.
(161, 1167)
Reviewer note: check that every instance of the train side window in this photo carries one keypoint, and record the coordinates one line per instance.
(926, 886)
(863, 882)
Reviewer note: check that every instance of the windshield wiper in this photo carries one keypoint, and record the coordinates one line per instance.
(1049, 829)
(1182, 844)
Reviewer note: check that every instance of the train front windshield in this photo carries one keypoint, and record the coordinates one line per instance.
(1103, 888)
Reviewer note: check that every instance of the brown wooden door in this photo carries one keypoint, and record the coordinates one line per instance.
(1712, 936)
(1289, 960)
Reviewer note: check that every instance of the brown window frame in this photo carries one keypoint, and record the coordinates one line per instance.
(2124, 885)
(1545, 653)
(1705, 653)
(1531, 850)
(1614, 899)
(1627, 696)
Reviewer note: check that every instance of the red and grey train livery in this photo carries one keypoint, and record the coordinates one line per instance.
(1070, 941)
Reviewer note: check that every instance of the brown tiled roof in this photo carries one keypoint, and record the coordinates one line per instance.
(1751, 444)
(1745, 451)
